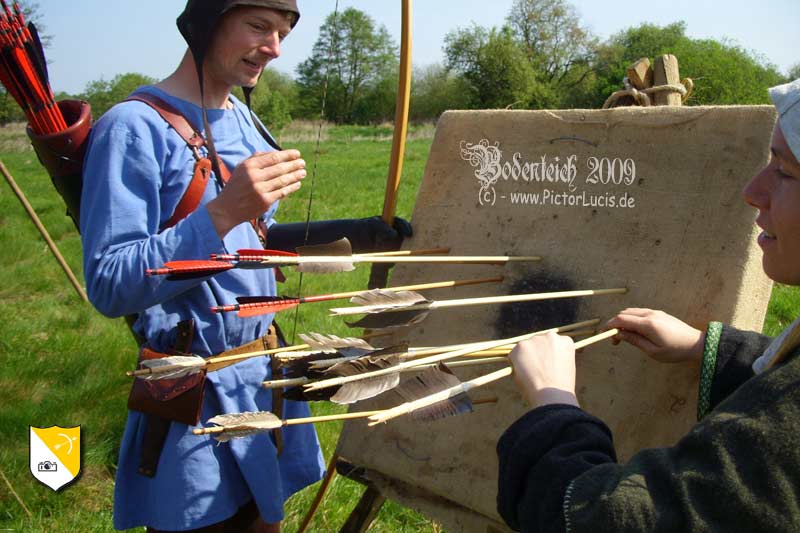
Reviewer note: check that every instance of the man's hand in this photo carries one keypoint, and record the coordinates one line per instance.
(256, 183)
(661, 336)
(544, 369)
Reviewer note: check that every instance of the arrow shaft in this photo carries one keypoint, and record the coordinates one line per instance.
(417, 287)
(425, 251)
(161, 370)
(465, 302)
(248, 309)
(446, 259)
(473, 359)
(313, 419)
(410, 407)
(446, 394)
(486, 345)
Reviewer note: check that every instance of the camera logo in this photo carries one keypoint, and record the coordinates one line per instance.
(47, 466)
(55, 455)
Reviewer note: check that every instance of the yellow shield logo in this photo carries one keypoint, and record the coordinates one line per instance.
(55, 455)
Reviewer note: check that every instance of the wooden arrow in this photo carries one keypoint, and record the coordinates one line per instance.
(250, 423)
(156, 370)
(259, 305)
(294, 382)
(486, 345)
(321, 264)
(463, 388)
(382, 316)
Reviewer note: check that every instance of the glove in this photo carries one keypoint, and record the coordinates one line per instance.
(365, 234)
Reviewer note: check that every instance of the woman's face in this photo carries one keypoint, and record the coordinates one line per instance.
(775, 191)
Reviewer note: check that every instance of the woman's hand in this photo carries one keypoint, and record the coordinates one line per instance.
(544, 369)
(661, 336)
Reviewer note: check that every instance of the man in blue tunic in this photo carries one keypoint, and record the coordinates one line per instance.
(137, 169)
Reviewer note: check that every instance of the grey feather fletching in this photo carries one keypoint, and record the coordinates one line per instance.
(383, 299)
(396, 319)
(331, 343)
(188, 365)
(322, 364)
(366, 388)
(337, 248)
(429, 382)
(245, 424)
(325, 267)
(380, 301)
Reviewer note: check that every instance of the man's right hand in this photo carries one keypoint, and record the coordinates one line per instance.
(661, 336)
(256, 183)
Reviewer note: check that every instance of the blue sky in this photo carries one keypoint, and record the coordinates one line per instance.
(98, 39)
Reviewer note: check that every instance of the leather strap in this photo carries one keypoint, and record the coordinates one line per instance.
(194, 192)
(157, 428)
(202, 167)
(155, 434)
(184, 336)
(179, 123)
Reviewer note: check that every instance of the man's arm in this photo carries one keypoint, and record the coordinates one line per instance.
(121, 215)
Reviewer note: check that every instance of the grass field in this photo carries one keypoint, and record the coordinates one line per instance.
(61, 363)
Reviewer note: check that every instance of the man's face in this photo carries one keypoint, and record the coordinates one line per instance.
(775, 191)
(246, 39)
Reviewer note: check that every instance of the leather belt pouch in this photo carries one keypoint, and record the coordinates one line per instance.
(179, 399)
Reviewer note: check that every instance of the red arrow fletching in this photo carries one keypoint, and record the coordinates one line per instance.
(196, 268)
(249, 306)
(262, 308)
(252, 254)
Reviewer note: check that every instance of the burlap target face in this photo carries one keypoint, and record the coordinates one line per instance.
(648, 199)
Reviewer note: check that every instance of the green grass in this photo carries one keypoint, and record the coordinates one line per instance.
(61, 363)
(784, 306)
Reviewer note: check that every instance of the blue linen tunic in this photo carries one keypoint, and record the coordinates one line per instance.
(136, 170)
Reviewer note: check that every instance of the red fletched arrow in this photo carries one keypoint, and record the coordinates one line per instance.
(190, 269)
(248, 254)
(23, 72)
(249, 306)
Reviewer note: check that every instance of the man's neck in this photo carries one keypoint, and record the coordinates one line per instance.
(183, 84)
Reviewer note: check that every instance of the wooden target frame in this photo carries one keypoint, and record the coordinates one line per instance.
(645, 198)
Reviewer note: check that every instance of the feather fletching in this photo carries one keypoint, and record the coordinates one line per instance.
(397, 319)
(331, 343)
(311, 267)
(379, 301)
(383, 299)
(337, 248)
(348, 355)
(243, 424)
(367, 388)
(186, 366)
(300, 394)
(431, 381)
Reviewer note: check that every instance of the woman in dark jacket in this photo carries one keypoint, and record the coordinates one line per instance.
(738, 469)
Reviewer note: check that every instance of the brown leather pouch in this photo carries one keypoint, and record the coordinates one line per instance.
(179, 399)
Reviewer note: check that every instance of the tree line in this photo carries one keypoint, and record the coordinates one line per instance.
(542, 57)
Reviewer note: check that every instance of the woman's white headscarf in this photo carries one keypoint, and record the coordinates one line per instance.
(787, 101)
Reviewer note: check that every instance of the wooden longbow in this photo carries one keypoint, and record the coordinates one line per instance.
(380, 273)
